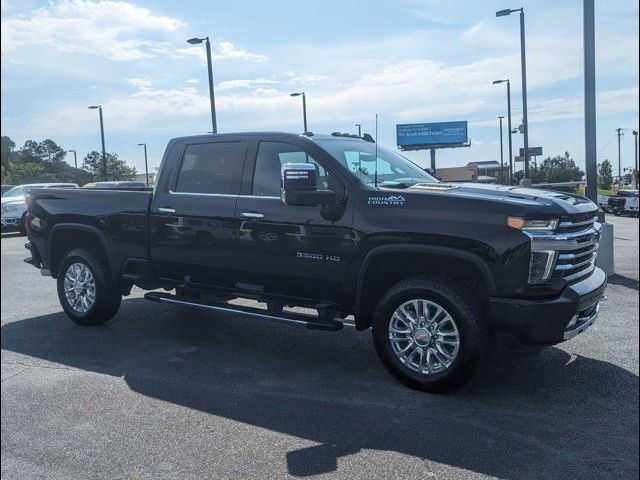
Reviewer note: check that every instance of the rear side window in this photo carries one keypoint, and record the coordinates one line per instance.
(211, 168)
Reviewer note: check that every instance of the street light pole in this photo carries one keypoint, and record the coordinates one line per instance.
(508, 82)
(75, 164)
(212, 101)
(104, 153)
(501, 154)
(619, 130)
(359, 129)
(523, 61)
(635, 171)
(304, 107)
(146, 165)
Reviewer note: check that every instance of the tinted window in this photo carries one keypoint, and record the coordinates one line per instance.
(271, 157)
(211, 168)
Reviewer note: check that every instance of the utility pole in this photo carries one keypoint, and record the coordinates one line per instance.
(359, 129)
(619, 130)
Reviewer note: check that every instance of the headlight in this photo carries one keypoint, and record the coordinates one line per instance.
(542, 260)
(10, 208)
(533, 225)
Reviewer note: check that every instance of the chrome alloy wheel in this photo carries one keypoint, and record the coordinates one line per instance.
(424, 336)
(79, 287)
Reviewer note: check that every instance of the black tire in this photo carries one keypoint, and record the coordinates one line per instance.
(474, 337)
(107, 294)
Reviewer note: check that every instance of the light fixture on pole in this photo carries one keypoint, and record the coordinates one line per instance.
(523, 62)
(304, 107)
(511, 130)
(146, 165)
(104, 153)
(212, 101)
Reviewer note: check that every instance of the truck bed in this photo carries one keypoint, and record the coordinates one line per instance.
(118, 219)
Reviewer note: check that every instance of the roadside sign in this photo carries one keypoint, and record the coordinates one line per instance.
(533, 151)
(519, 159)
(432, 135)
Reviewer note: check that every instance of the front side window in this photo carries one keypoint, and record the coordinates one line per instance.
(390, 169)
(211, 168)
(271, 157)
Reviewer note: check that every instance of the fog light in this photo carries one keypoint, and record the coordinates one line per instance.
(572, 322)
(541, 266)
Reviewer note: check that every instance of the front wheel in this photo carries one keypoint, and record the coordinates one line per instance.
(87, 293)
(429, 334)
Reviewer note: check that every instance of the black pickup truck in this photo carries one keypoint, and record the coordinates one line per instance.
(338, 224)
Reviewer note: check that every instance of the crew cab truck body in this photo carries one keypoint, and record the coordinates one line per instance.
(338, 224)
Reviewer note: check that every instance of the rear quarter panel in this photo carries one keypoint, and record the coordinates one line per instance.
(119, 217)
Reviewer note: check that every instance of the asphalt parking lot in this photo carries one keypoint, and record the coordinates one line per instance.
(163, 392)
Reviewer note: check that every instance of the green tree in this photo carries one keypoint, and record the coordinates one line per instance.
(29, 172)
(561, 168)
(116, 169)
(605, 175)
(7, 152)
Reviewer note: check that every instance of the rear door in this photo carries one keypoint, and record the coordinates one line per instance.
(193, 218)
(285, 250)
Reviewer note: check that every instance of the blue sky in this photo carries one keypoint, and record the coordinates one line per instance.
(407, 60)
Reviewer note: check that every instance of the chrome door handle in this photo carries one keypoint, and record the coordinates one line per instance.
(254, 215)
(166, 210)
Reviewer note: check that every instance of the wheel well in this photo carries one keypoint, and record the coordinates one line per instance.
(65, 240)
(387, 269)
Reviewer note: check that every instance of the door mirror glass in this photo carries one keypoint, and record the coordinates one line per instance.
(300, 186)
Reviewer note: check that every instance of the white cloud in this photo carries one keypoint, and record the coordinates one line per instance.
(222, 50)
(139, 82)
(193, 81)
(105, 28)
(227, 50)
(235, 84)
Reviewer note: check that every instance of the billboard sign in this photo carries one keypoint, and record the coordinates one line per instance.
(431, 135)
(533, 152)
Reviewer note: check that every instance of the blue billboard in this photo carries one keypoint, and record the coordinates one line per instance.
(431, 134)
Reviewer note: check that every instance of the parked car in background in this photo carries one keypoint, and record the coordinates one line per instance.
(623, 202)
(116, 185)
(6, 188)
(14, 206)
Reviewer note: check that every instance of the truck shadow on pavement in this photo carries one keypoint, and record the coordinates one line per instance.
(521, 416)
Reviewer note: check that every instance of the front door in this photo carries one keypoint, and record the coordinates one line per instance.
(290, 250)
(193, 222)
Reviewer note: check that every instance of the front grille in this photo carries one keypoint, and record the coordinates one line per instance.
(577, 257)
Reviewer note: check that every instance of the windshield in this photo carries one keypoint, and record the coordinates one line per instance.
(391, 170)
(17, 191)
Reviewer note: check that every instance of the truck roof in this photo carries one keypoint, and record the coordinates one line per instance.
(275, 134)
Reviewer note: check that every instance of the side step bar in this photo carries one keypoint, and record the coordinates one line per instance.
(309, 321)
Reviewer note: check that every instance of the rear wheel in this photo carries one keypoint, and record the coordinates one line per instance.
(429, 334)
(86, 291)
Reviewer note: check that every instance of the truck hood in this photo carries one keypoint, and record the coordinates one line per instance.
(531, 199)
(12, 200)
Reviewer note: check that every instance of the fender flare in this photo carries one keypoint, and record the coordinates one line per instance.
(480, 264)
(87, 228)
